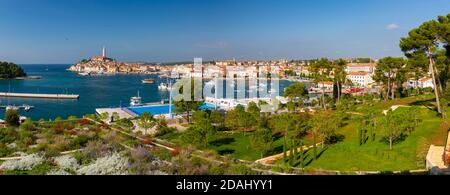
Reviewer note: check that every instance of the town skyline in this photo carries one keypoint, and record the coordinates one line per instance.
(169, 31)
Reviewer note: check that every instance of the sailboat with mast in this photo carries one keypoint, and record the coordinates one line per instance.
(136, 100)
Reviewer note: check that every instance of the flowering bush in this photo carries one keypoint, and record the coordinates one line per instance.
(67, 162)
(114, 164)
(26, 163)
(58, 172)
(157, 172)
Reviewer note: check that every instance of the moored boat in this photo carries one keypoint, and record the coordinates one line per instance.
(148, 81)
(164, 87)
(136, 100)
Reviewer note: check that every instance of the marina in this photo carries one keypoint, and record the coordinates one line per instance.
(112, 91)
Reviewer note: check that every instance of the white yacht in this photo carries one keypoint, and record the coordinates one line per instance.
(84, 73)
(27, 107)
(136, 101)
(164, 87)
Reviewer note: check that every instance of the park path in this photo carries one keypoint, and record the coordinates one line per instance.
(268, 161)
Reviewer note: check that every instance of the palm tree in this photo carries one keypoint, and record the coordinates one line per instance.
(339, 76)
(321, 70)
(146, 121)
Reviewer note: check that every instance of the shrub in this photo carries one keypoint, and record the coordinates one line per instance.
(81, 158)
(240, 169)
(26, 163)
(4, 150)
(72, 118)
(175, 152)
(67, 162)
(114, 164)
(96, 149)
(216, 170)
(8, 135)
(125, 123)
(28, 125)
(41, 169)
(162, 153)
(421, 151)
(163, 130)
(79, 141)
(12, 118)
(83, 121)
(58, 172)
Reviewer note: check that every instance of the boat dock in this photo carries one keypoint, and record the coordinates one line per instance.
(37, 95)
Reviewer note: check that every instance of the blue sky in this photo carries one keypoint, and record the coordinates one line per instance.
(65, 31)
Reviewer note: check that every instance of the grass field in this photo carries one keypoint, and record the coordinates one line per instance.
(348, 155)
(235, 144)
(408, 154)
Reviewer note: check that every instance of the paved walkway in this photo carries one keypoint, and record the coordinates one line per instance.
(270, 159)
(435, 159)
(394, 107)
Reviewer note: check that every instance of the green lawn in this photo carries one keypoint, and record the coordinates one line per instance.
(234, 144)
(347, 155)
(376, 156)
(237, 145)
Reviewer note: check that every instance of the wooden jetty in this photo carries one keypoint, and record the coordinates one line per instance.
(38, 95)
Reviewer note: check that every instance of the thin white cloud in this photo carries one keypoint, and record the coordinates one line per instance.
(392, 26)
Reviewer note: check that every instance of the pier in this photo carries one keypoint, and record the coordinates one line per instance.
(37, 95)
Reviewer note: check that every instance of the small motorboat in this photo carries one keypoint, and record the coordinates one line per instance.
(84, 73)
(148, 81)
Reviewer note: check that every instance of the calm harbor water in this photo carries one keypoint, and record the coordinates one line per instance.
(94, 91)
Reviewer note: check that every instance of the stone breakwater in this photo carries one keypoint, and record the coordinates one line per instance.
(35, 95)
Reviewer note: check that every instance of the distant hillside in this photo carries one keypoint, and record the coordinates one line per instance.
(10, 70)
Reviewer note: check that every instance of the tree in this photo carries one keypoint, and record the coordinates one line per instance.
(188, 106)
(340, 76)
(10, 70)
(262, 140)
(104, 116)
(253, 108)
(238, 118)
(417, 66)
(297, 92)
(146, 121)
(201, 130)
(322, 127)
(12, 118)
(217, 119)
(115, 116)
(389, 73)
(291, 106)
(425, 40)
(321, 70)
(283, 123)
(391, 125)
